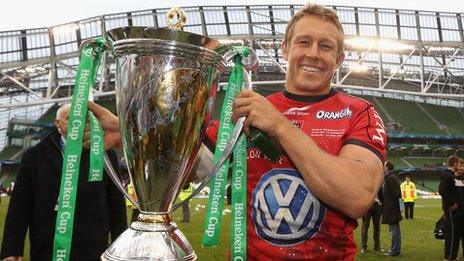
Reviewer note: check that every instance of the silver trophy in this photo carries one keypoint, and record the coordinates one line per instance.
(164, 82)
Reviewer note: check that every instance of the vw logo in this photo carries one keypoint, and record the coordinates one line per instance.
(284, 212)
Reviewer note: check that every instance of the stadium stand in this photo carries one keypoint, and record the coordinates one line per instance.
(420, 135)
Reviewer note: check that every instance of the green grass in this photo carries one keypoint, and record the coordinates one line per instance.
(418, 242)
(9, 152)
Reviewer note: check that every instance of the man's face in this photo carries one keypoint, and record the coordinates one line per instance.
(456, 167)
(408, 179)
(313, 53)
(61, 120)
(460, 168)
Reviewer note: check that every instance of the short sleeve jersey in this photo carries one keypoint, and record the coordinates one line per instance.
(285, 220)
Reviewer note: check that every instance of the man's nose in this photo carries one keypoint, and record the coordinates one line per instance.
(313, 51)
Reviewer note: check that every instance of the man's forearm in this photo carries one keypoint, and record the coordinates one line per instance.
(346, 184)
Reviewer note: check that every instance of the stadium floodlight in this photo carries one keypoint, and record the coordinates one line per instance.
(66, 28)
(387, 45)
(358, 68)
(392, 45)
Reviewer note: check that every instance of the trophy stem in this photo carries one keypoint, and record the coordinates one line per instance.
(151, 237)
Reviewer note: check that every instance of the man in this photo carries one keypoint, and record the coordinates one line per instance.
(99, 209)
(391, 213)
(304, 206)
(408, 193)
(374, 213)
(183, 195)
(459, 181)
(452, 205)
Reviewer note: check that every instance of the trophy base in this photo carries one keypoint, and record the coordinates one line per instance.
(151, 237)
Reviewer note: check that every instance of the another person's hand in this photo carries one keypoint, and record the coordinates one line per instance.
(453, 207)
(13, 258)
(260, 113)
(110, 125)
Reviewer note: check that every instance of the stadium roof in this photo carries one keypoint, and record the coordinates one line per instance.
(404, 54)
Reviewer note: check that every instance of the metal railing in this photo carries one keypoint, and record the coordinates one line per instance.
(394, 52)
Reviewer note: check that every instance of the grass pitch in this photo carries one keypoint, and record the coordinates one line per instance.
(418, 242)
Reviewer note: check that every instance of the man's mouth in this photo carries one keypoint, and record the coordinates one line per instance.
(311, 69)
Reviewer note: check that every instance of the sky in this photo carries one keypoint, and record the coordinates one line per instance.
(26, 14)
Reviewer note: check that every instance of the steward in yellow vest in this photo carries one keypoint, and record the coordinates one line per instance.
(408, 192)
(184, 194)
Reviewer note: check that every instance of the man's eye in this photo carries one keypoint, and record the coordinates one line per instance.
(327, 47)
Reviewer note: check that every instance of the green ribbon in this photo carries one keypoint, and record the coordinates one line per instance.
(89, 62)
(238, 228)
(213, 218)
(97, 149)
(217, 184)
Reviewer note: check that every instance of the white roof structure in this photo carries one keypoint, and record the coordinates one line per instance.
(403, 54)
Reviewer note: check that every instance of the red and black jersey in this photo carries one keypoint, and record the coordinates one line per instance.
(285, 220)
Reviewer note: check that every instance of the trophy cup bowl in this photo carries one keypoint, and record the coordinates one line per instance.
(164, 81)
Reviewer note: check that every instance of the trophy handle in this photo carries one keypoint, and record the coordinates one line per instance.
(227, 150)
(114, 177)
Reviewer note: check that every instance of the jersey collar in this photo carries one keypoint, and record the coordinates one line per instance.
(304, 98)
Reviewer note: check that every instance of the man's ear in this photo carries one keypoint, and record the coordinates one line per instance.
(284, 50)
(340, 59)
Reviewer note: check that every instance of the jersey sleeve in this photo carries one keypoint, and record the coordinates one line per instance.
(211, 136)
(367, 130)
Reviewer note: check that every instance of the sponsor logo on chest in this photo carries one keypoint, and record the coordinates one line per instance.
(284, 211)
(334, 115)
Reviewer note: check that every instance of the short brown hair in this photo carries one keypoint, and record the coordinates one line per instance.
(319, 11)
(389, 165)
(452, 160)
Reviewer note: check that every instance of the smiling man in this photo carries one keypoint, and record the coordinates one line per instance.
(305, 205)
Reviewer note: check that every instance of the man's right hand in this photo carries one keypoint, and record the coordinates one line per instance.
(110, 125)
(453, 207)
(107, 119)
(13, 258)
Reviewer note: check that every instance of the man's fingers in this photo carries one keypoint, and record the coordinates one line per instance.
(86, 136)
(246, 126)
(13, 258)
(97, 110)
(245, 93)
(108, 120)
(241, 111)
(113, 140)
(242, 101)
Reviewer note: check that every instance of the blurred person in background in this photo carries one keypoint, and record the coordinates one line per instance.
(374, 213)
(409, 195)
(459, 182)
(183, 195)
(452, 205)
(391, 212)
(99, 209)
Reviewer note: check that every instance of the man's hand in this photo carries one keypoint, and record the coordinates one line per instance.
(110, 125)
(259, 111)
(108, 120)
(453, 207)
(13, 258)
